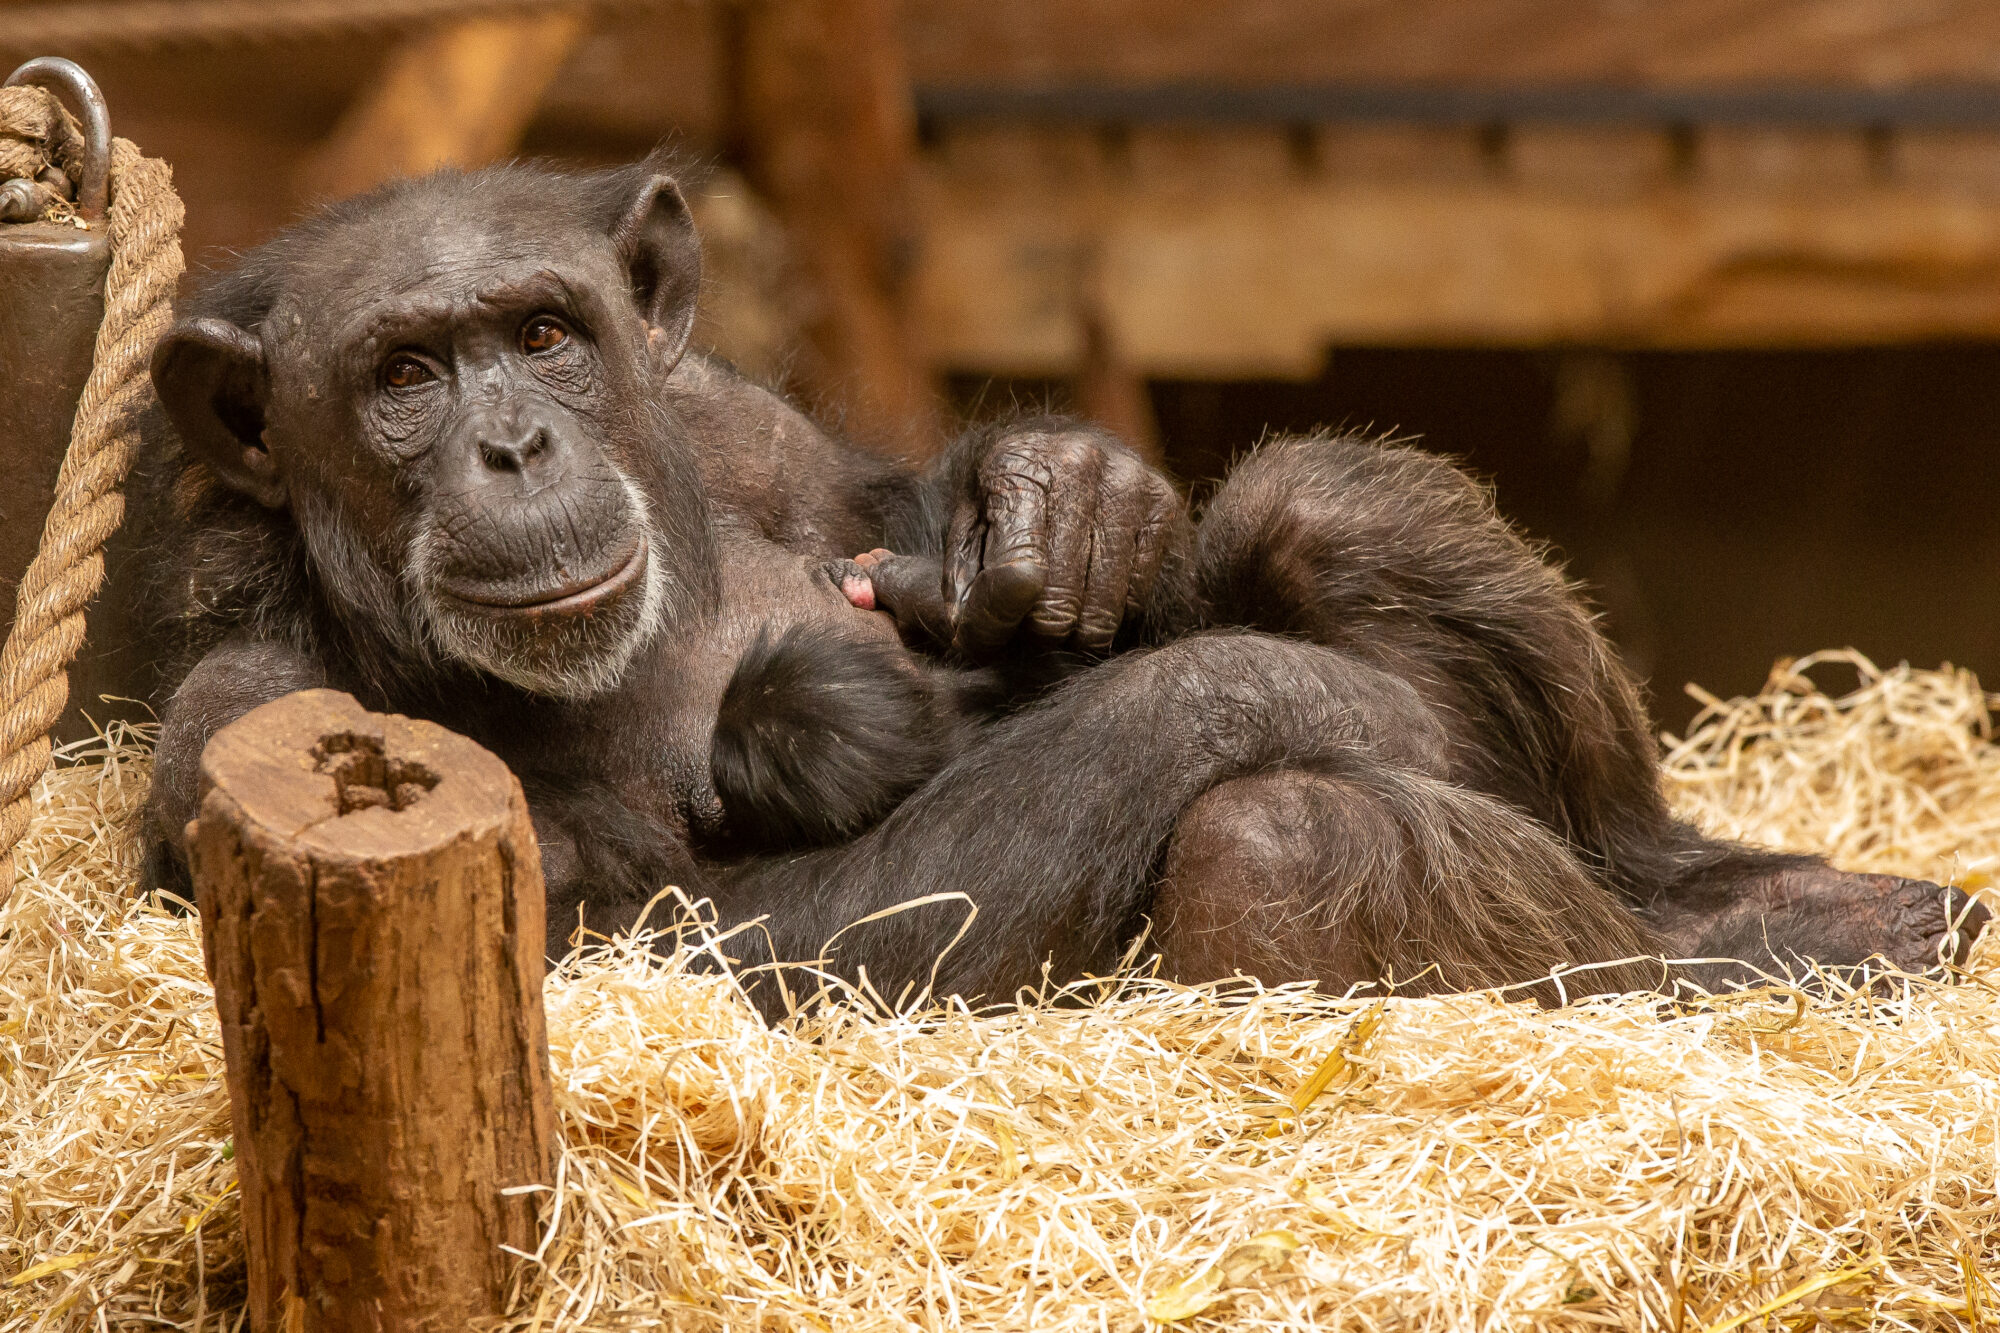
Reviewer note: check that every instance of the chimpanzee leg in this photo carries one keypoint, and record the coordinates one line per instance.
(1397, 558)
(1055, 824)
(1375, 874)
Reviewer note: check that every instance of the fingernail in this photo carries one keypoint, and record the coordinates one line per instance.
(859, 591)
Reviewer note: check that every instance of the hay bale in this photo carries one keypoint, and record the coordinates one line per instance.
(1472, 1162)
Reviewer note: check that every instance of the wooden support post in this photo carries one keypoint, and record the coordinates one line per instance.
(371, 903)
(827, 130)
(1109, 390)
(458, 96)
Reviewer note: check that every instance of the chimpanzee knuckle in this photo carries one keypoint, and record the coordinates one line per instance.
(1017, 466)
(1055, 615)
(1124, 472)
(1078, 456)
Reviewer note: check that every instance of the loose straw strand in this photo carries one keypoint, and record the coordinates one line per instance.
(145, 221)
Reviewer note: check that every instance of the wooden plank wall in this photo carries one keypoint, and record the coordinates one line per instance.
(1232, 254)
(1186, 250)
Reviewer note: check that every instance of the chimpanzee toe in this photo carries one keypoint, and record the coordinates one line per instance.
(1808, 914)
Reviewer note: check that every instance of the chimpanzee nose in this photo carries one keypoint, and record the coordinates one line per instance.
(504, 450)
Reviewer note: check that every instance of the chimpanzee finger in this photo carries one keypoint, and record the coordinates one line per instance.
(1016, 485)
(1149, 546)
(1000, 598)
(910, 588)
(852, 578)
(1124, 503)
(1071, 515)
(1105, 597)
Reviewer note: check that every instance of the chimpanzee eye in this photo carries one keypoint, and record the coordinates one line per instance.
(543, 333)
(405, 372)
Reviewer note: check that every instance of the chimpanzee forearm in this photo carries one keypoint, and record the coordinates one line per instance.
(1053, 824)
(1057, 507)
(235, 677)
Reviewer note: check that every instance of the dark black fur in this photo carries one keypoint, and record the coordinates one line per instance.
(821, 735)
(1466, 788)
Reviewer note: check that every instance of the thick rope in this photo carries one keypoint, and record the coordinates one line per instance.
(145, 222)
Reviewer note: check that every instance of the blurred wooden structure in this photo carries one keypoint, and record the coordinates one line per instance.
(1116, 189)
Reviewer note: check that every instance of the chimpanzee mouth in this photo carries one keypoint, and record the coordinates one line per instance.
(570, 597)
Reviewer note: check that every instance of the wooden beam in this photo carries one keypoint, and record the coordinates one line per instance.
(828, 137)
(458, 96)
(1872, 43)
(1109, 389)
(1224, 255)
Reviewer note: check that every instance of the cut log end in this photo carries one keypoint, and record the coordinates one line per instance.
(372, 907)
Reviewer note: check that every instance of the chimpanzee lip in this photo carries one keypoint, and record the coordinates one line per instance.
(576, 595)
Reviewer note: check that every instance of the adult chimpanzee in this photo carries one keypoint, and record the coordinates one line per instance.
(440, 447)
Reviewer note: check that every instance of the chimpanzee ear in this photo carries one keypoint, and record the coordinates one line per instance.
(657, 241)
(210, 377)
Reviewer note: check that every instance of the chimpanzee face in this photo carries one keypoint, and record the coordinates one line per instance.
(455, 401)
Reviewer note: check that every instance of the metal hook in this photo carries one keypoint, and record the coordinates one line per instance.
(67, 77)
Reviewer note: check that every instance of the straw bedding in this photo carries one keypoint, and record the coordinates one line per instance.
(1202, 1157)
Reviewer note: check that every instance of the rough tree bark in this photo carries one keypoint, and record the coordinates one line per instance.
(371, 903)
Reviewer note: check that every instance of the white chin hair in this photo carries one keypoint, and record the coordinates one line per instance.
(581, 660)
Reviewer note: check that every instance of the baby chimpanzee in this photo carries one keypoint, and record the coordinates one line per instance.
(827, 721)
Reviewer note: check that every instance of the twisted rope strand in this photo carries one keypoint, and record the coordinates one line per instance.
(145, 221)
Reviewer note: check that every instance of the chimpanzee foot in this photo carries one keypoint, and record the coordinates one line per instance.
(164, 878)
(1793, 911)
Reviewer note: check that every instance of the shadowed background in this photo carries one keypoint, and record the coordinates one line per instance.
(1710, 288)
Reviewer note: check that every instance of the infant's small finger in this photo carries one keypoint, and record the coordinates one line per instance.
(851, 577)
(911, 588)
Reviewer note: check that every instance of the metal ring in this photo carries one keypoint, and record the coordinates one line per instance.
(67, 77)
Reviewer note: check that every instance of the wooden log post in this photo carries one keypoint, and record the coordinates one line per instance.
(371, 903)
(827, 133)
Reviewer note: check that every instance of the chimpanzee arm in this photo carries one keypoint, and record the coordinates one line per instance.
(236, 676)
(1054, 823)
(1056, 506)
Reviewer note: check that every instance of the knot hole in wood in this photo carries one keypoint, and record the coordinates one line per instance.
(366, 777)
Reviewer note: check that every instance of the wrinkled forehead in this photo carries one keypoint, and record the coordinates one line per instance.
(412, 273)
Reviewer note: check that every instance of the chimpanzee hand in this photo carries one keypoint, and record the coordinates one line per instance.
(1058, 531)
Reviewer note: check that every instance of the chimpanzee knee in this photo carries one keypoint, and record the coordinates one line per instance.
(1243, 889)
(1365, 872)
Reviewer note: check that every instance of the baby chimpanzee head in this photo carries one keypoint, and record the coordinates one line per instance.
(449, 387)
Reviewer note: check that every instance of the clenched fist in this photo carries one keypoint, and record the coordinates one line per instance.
(1057, 532)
